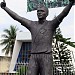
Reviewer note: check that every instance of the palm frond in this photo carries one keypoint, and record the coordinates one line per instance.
(4, 41)
(7, 32)
(4, 36)
(9, 39)
(5, 48)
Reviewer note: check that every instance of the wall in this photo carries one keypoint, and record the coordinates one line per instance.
(4, 63)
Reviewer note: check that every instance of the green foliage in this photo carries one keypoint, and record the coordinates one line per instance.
(59, 37)
(61, 51)
(32, 4)
(22, 70)
(8, 39)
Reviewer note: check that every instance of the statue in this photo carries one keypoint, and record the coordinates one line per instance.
(41, 61)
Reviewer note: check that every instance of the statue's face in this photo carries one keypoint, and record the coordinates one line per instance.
(42, 13)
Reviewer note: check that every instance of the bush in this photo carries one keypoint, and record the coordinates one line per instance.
(22, 70)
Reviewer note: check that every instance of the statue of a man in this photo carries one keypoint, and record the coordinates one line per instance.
(41, 61)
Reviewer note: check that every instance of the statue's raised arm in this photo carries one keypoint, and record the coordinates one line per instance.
(63, 14)
(66, 10)
(25, 22)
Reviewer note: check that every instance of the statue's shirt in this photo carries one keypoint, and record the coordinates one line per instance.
(42, 35)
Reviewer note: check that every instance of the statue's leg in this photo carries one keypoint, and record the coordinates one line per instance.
(32, 66)
(46, 64)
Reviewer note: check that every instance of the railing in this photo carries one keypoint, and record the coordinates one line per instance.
(8, 73)
(58, 69)
(63, 69)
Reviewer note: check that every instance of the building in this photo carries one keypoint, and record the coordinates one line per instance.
(22, 45)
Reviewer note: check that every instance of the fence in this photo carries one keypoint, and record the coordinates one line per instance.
(63, 69)
(58, 69)
(8, 74)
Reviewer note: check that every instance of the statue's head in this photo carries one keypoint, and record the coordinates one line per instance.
(42, 11)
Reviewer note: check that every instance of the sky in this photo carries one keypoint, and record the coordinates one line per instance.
(19, 7)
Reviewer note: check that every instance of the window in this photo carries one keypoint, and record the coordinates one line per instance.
(24, 55)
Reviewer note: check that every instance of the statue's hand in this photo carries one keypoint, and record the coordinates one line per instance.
(3, 4)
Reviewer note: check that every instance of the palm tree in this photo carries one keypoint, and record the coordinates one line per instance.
(9, 40)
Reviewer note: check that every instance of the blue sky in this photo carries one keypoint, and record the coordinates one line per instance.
(19, 6)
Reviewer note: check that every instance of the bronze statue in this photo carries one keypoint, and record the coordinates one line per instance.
(41, 61)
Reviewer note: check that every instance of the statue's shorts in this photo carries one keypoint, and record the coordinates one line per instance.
(40, 64)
